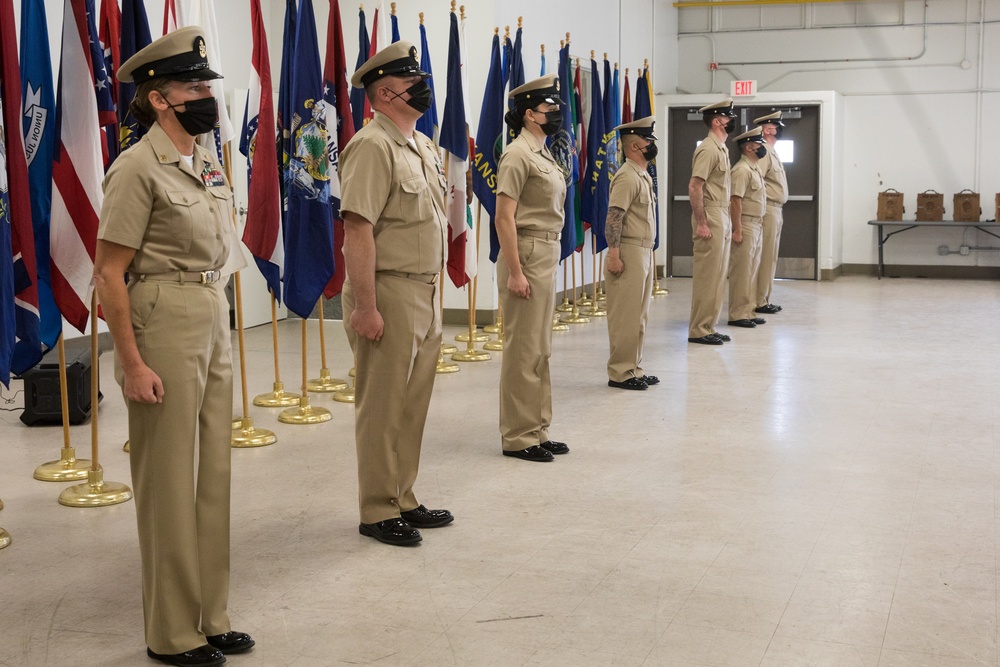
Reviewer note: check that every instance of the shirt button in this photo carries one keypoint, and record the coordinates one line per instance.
(218, 236)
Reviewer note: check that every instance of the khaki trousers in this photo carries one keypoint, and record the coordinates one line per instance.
(629, 295)
(770, 240)
(180, 460)
(525, 385)
(711, 259)
(394, 380)
(744, 264)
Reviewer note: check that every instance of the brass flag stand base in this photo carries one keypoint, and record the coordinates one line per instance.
(248, 436)
(657, 290)
(496, 345)
(476, 337)
(575, 317)
(565, 306)
(448, 348)
(557, 324)
(471, 354)
(278, 398)
(126, 448)
(326, 384)
(346, 395)
(446, 367)
(237, 423)
(305, 414)
(4, 535)
(496, 327)
(95, 492)
(67, 469)
(595, 310)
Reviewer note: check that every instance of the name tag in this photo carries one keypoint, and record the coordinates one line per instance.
(212, 177)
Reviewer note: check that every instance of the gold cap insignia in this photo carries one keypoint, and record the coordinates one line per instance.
(202, 51)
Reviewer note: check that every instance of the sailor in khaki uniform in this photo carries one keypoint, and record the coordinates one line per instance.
(166, 222)
(777, 194)
(531, 190)
(746, 208)
(710, 224)
(393, 190)
(630, 231)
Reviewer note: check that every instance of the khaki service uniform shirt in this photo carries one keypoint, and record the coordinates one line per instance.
(399, 187)
(748, 184)
(632, 191)
(178, 218)
(532, 177)
(711, 164)
(774, 177)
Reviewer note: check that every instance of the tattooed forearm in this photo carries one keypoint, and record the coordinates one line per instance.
(613, 226)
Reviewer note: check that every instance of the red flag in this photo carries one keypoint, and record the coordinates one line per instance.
(335, 83)
(172, 18)
(262, 233)
(19, 214)
(77, 172)
(627, 102)
(110, 31)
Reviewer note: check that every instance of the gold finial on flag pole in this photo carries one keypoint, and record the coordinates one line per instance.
(605, 55)
(520, 19)
(461, 12)
(361, 7)
(591, 54)
(421, 15)
(562, 43)
(506, 32)
(392, 8)
(496, 31)
(616, 65)
(543, 49)
(453, 4)
(567, 38)
(626, 71)
(645, 63)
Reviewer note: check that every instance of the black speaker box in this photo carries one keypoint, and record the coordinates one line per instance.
(42, 404)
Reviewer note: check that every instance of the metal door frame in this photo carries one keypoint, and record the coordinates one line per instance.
(830, 246)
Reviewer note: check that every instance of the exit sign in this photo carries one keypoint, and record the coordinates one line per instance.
(743, 88)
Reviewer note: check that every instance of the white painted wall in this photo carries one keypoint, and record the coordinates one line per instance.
(917, 102)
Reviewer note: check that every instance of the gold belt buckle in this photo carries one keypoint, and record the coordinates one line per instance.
(209, 277)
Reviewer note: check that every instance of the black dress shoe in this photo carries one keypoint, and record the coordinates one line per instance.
(203, 656)
(746, 324)
(232, 642)
(631, 383)
(650, 380)
(706, 340)
(421, 517)
(769, 309)
(758, 320)
(723, 337)
(535, 453)
(391, 531)
(553, 447)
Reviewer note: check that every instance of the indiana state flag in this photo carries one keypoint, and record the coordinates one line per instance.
(309, 223)
(38, 125)
(489, 144)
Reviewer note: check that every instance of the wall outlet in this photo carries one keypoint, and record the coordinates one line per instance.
(963, 250)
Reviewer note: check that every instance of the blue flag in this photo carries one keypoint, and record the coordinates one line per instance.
(610, 115)
(135, 36)
(543, 65)
(508, 57)
(563, 148)
(643, 108)
(596, 184)
(309, 224)
(516, 75)
(489, 144)
(428, 123)
(358, 94)
(38, 95)
(106, 114)
(395, 31)
(283, 114)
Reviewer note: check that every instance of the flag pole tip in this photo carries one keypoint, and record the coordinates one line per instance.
(605, 55)
(392, 8)
(567, 37)
(421, 17)
(496, 31)
(591, 54)
(520, 19)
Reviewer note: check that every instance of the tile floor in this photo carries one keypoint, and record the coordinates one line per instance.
(820, 491)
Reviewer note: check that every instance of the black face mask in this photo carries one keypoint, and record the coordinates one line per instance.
(421, 96)
(649, 153)
(731, 126)
(778, 131)
(200, 116)
(553, 122)
(761, 152)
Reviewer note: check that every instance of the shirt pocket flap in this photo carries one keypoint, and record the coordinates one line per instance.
(221, 192)
(414, 185)
(182, 198)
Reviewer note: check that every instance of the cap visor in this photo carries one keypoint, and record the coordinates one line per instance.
(197, 75)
